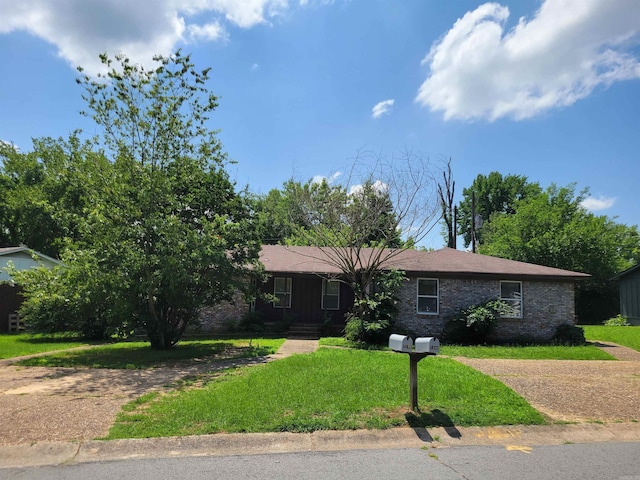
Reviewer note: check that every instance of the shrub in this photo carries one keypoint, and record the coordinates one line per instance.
(569, 335)
(473, 324)
(617, 321)
(251, 322)
(377, 311)
(74, 299)
(283, 325)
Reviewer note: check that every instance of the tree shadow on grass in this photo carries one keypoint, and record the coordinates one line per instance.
(40, 339)
(129, 356)
(419, 421)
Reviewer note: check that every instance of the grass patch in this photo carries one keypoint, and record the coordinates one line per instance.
(516, 352)
(330, 389)
(343, 342)
(335, 342)
(529, 352)
(626, 336)
(138, 355)
(12, 345)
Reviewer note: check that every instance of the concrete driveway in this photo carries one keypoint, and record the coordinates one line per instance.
(574, 390)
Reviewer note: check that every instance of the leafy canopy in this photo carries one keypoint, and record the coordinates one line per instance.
(553, 229)
(494, 194)
(165, 233)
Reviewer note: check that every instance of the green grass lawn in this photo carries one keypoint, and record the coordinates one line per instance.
(528, 352)
(138, 355)
(627, 336)
(329, 389)
(12, 345)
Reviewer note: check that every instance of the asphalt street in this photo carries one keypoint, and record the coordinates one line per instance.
(584, 461)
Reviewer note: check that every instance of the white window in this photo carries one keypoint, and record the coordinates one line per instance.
(428, 296)
(330, 295)
(511, 293)
(282, 291)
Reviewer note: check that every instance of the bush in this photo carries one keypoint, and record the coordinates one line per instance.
(251, 322)
(473, 324)
(74, 298)
(617, 321)
(378, 311)
(569, 335)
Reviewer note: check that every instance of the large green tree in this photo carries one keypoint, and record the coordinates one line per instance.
(46, 192)
(166, 232)
(171, 223)
(494, 193)
(553, 229)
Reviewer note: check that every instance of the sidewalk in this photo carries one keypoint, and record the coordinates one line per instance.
(517, 437)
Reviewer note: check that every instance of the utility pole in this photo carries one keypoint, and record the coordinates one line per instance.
(455, 227)
(473, 221)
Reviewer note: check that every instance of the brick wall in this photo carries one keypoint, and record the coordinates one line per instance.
(213, 319)
(545, 306)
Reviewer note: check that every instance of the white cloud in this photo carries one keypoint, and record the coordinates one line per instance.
(209, 32)
(478, 69)
(330, 179)
(382, 108)
(598, 203)
(379, 187)
(82, 29)
(318, 179)
(254, 67)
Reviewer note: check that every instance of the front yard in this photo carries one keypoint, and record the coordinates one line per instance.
(333, 388)
(329, 389)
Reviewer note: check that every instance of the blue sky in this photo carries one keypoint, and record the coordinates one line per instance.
(547, 89)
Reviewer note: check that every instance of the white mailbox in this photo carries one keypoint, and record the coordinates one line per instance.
(400, 343)
(428, 345)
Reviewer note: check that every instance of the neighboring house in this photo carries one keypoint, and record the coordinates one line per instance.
(630, 294)
(438, 284)
(22, 258)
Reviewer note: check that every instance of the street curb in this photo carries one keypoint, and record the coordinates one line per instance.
(58, 453)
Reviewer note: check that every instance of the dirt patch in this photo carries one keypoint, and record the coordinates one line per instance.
(61, 404)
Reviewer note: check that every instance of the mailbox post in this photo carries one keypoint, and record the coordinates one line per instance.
(423, 348)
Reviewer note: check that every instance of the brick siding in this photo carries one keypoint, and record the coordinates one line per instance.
(215, 319)
(545, 306)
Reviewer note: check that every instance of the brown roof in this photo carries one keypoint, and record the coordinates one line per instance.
(446, 262)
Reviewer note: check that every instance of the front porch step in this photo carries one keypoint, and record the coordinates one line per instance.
(307, 331)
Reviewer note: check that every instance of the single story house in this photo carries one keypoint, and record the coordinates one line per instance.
(438, 283)
(22, 258)
(630, 294)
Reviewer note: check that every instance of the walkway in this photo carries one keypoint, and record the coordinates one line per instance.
(621, 353)
(293, 346)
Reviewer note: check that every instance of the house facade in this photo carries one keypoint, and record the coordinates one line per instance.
(630, 294)
(303, 282)
(21, 258)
